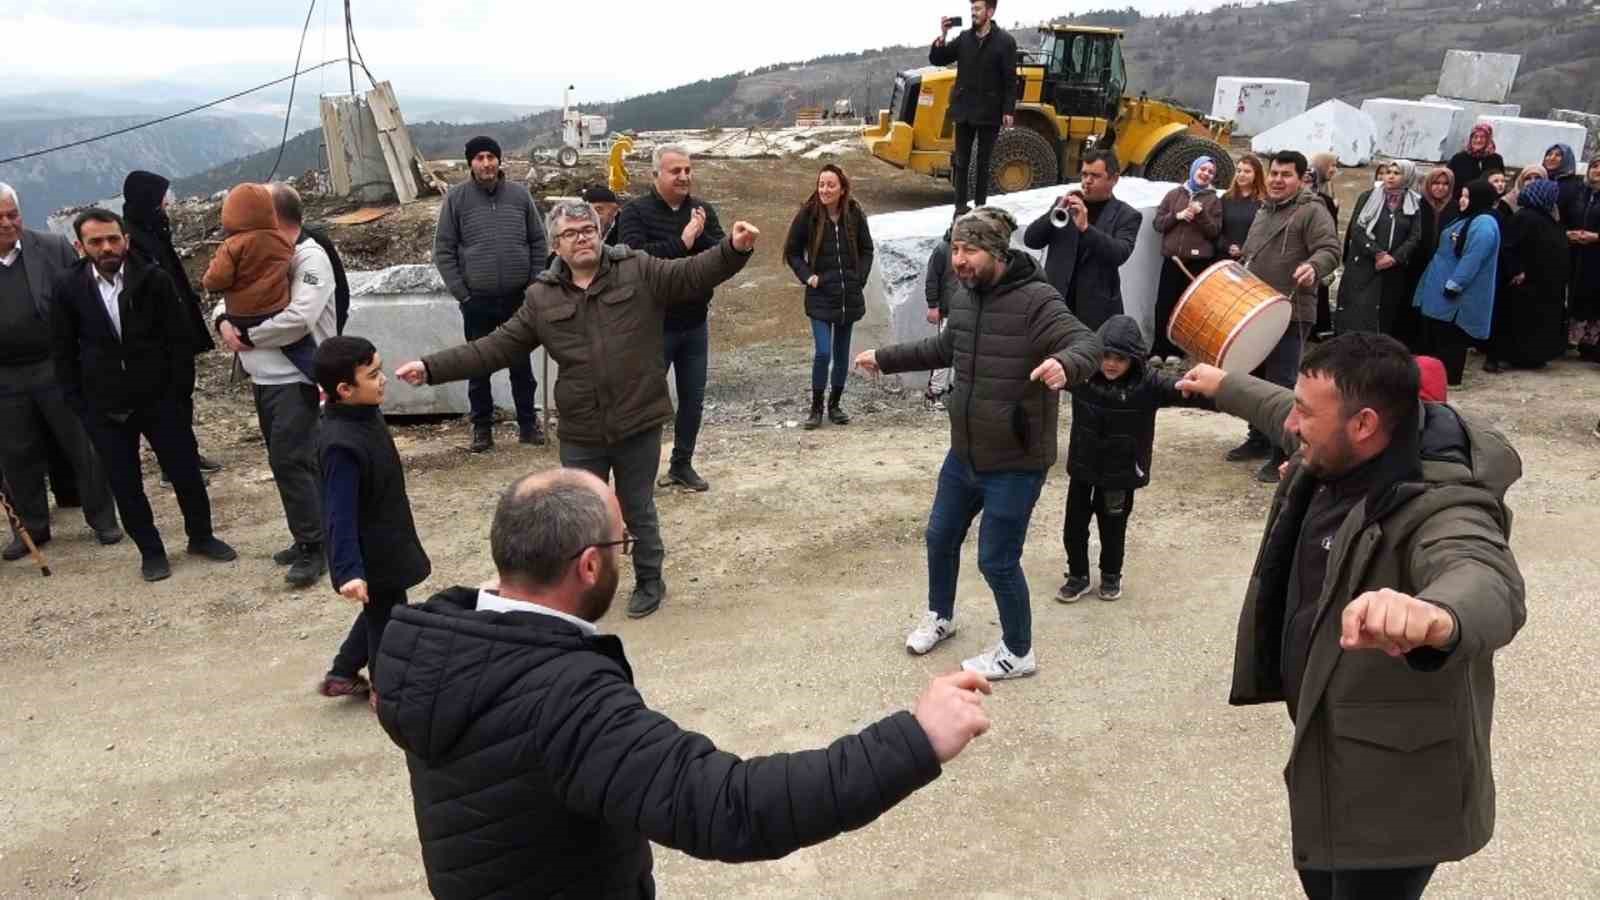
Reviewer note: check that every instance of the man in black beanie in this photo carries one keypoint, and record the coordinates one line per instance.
(489, 247)
(144, 202)
(604, 201)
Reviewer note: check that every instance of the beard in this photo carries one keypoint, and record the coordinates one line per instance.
(1332, 459)
(109, 263)
(596, 601)
(982, 276)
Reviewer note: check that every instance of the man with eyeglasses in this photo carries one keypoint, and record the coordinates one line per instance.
(488, 247)
(598, 312)
(537, 769)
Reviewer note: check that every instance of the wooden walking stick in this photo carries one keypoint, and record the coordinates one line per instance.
(27, 539)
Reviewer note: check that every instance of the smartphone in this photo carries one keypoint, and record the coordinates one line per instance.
(952, 22)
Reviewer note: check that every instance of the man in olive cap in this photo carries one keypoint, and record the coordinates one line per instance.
(489, 247)
(1015, 345)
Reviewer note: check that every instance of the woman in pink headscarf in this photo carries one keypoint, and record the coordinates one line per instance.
(1479, 158)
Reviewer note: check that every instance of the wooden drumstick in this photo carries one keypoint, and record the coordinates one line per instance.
(1180, 265)
(27, 539)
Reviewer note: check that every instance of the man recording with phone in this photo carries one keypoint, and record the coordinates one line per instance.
(1088, 235)
(985, 95)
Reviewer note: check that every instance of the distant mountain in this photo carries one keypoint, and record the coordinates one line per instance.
(95, 171)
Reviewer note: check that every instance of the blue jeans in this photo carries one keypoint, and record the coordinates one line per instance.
(1006, 500)
(688, 353)
(833, 345)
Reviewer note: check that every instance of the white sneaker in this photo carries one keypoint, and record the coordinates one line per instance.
(999, 663)
(927, 635)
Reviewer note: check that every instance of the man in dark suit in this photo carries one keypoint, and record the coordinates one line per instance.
(32, 408)
(123, 343)
(1087, 252)
(984, 97)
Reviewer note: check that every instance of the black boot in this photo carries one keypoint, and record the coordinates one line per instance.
(835, 414)
(814, 421)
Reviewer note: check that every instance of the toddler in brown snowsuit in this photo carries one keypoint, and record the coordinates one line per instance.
(252, 268)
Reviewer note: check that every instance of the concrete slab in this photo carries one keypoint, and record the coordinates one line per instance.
(1467, 116)
(1474, 75)
(1407, 129)
(1590, 122)
(407, 313)
(1257, 104)
(1333, 127)
(904, 241)
(1523, 142)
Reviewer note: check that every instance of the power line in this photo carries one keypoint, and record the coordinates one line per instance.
(168, 118)
(294, 79)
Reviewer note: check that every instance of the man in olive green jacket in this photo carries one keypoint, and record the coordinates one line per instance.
(598, 312)
(1014, 347)
(1389, 532)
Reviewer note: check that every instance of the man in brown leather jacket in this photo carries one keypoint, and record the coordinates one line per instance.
(1389, 532)
(598, 312)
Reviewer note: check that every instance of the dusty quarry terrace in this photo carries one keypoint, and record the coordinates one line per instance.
(165, 740)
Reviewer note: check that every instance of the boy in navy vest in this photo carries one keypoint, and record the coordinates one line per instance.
(374, 555)
(1108, 455)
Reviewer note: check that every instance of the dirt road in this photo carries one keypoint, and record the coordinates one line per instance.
(165, 741)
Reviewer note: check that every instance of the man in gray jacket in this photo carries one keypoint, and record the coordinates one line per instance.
(1293, 244)
(1014, 346)
(33, 408)
(489, 247)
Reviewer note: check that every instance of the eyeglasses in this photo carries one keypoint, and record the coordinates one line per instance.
(627, 542)
(586, 233)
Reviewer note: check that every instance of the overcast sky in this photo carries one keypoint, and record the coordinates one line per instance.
(515, 52)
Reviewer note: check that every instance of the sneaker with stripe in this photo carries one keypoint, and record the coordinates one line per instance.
(929, 633)
(998, 663)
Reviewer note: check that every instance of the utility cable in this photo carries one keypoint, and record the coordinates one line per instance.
(168, 118)
(294, 79)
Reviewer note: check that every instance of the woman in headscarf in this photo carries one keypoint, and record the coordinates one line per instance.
(1561, 166)
(1440, 201)
(1529, 310)
(1478, 158)
(1456, 296)
(1188, 220)
(1386, 230)
(1580, 216)
(1505, 213)
(144, 201)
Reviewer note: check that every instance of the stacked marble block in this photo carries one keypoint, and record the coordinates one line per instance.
(1591, 125)
(407, 313)
(1258, 104)
(1330, 127)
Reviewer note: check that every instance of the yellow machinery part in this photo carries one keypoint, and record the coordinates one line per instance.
(616, 172)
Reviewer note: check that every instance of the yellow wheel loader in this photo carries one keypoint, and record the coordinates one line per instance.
(1070, 97)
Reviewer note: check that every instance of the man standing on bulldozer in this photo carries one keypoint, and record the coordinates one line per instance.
(984, 98)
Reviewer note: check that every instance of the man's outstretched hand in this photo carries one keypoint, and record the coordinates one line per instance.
(1395, 623)
(867, 361)
(413, 373)
(951, 713)
(1202, 381)
(744, 236)
(1050, 374)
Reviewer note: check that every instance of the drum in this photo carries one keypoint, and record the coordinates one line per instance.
(1229, 318)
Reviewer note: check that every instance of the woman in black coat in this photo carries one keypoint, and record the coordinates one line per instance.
(1580, 216)
(1439, 208)
(1386, 231)
(1240, 205)
(830, 250)
(1478, 158)
(1528, 324)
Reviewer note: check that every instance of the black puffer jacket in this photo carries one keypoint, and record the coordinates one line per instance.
(537, 770)
(840, 264)
(1000, 420)
(1114, 422)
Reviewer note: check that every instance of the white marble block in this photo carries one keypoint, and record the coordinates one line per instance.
(904, 240)
(1256, 104)
(1333, 127)
(1522, 142)
(1590, 123)
(1406, 129)
(1467, 115)
(406, 313)
(1472, 75)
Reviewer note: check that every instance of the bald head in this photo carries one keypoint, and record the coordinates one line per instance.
(546, 520)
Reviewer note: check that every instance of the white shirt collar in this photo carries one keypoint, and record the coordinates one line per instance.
(113, 282)
(488, 601)
(10, 259)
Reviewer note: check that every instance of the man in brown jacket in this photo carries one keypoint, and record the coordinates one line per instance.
(1389, 533)
(1014, 346)
(1293, 244)
(598, 312)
